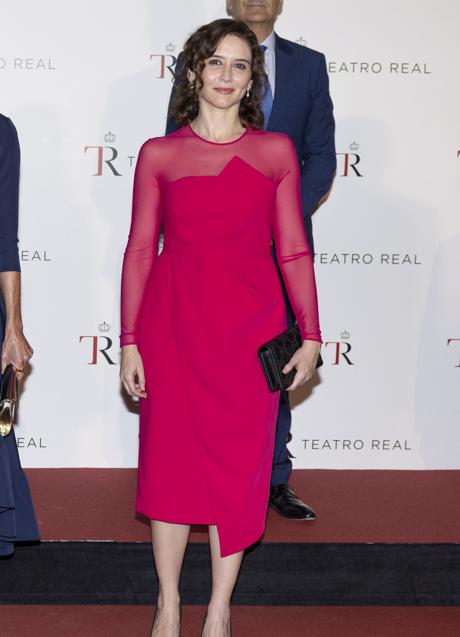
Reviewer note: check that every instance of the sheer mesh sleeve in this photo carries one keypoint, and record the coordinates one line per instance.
(292, 250)
(142, 247)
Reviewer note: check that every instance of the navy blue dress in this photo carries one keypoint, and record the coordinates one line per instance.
(17, 517)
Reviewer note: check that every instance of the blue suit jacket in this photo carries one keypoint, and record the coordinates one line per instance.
(302, 108)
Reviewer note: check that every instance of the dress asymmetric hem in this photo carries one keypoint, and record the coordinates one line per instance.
(198, 313)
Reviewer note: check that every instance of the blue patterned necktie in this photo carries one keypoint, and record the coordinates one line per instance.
(267, 97)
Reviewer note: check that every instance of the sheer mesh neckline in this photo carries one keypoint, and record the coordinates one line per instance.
(254, 199)
(208, 141)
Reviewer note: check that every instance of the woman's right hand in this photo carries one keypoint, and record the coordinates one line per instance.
(132, 371)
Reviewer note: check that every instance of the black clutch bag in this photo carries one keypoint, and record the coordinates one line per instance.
(8, 399)
(273, 356)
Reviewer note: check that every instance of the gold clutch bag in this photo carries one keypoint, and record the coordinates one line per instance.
(8, 399)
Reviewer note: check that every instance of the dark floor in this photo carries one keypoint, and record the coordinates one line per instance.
(280, 573)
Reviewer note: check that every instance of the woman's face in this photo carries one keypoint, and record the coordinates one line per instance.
(227, 74)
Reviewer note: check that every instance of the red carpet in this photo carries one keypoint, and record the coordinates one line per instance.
(352, 506)
(247, 621)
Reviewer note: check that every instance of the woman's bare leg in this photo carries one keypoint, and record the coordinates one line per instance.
(224, 573)
(169, 542)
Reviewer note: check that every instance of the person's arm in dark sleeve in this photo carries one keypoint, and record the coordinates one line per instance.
(10, 278)
(15, 349)
(318, 156)
(9, 196)
(171, 124)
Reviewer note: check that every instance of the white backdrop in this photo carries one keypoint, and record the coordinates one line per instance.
(86, 83)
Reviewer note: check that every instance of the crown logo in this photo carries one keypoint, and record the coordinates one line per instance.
(104, 327)
(109, 137)
(345, 335)
(354, 146)
(301, 41)
(170, 48)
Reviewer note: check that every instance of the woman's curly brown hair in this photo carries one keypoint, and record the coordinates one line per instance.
(200, 46)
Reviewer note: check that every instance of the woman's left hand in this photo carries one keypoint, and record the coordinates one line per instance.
(16, 350)
(304, 360)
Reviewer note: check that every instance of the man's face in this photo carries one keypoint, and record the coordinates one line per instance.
(251, 11)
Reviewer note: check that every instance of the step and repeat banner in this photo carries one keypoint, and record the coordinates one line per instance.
(87, 82)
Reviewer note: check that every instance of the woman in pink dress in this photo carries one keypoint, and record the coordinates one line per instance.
(193, 318)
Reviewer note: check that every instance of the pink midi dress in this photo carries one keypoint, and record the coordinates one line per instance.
(198, 313)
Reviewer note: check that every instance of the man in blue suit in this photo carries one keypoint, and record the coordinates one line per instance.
(296, 101)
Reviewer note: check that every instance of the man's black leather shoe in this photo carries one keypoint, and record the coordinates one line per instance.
(288, 505)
